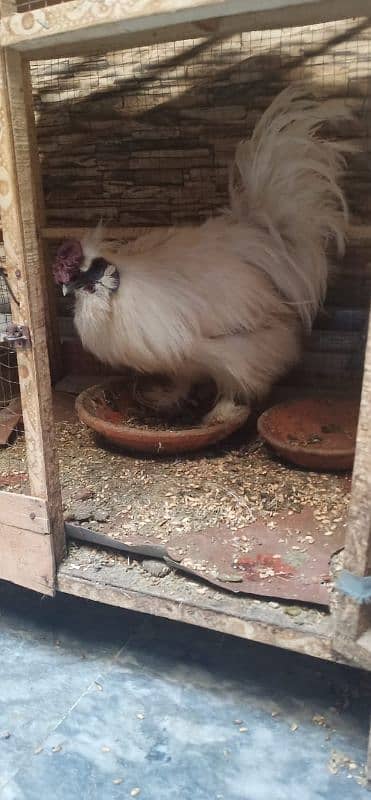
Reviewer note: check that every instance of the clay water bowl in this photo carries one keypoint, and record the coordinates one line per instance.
(110, 410)
(317, 432)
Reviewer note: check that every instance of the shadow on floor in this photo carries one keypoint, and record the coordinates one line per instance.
(97, 703)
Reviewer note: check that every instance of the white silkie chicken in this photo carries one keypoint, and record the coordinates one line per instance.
(230, 299)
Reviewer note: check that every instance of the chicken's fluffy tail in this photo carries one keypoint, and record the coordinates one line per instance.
(285, 182)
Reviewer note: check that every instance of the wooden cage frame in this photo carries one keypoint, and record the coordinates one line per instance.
(32, 543)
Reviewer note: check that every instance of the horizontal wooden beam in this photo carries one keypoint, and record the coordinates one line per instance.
(309, 643)
(258, 626)
(355, 232)
(21, 222)
(73, 26)
(27, 559)
(27, 513)
(70, 232)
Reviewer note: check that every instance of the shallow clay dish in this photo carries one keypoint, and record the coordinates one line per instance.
(314, 432)
(111, 421)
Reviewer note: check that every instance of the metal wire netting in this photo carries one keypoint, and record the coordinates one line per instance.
(145, 136)
(13, 464)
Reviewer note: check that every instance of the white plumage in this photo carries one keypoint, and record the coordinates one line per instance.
(229, 300)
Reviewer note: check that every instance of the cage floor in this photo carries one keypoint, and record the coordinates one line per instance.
(113, 579)
(203, 509)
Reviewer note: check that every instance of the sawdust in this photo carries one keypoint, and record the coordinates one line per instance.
(139, 416)
(233, 484)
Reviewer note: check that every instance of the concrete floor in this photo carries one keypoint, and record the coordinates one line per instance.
(98, 704)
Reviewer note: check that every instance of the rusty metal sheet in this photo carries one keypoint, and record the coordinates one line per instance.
(289, 561)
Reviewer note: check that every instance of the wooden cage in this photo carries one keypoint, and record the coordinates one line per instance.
(33, 549)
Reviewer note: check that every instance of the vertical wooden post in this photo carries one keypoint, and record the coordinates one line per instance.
(352, 619)
(8, 7)
(51, 313)
(19, 212)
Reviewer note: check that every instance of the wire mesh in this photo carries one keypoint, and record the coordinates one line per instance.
(145, 136)
(13, 465)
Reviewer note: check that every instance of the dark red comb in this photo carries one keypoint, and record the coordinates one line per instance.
(68, 261)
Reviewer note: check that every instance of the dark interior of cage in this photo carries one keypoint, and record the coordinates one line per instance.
(143, 138)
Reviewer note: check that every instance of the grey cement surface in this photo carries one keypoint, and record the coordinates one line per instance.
(99, 704)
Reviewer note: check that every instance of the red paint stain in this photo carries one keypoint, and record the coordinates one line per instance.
(263, 567)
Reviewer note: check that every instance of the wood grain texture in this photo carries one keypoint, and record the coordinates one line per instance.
(265, 632)
(357, 556)
(68, 26)
(27, 559)
(229, 615)
(352, 620)
(18, 203)
(356, 233)
(25, 513)
(7, 7)
(45, 275)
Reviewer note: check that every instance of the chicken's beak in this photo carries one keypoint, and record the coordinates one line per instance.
(68, 288)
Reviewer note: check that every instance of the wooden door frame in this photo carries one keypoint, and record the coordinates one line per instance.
(353, 620)
(29, 550)
(56, 30)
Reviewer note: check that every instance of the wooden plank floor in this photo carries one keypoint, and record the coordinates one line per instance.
(107, 578)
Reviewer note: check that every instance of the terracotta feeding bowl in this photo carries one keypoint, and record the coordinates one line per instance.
(313, 432)
(112, 411)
